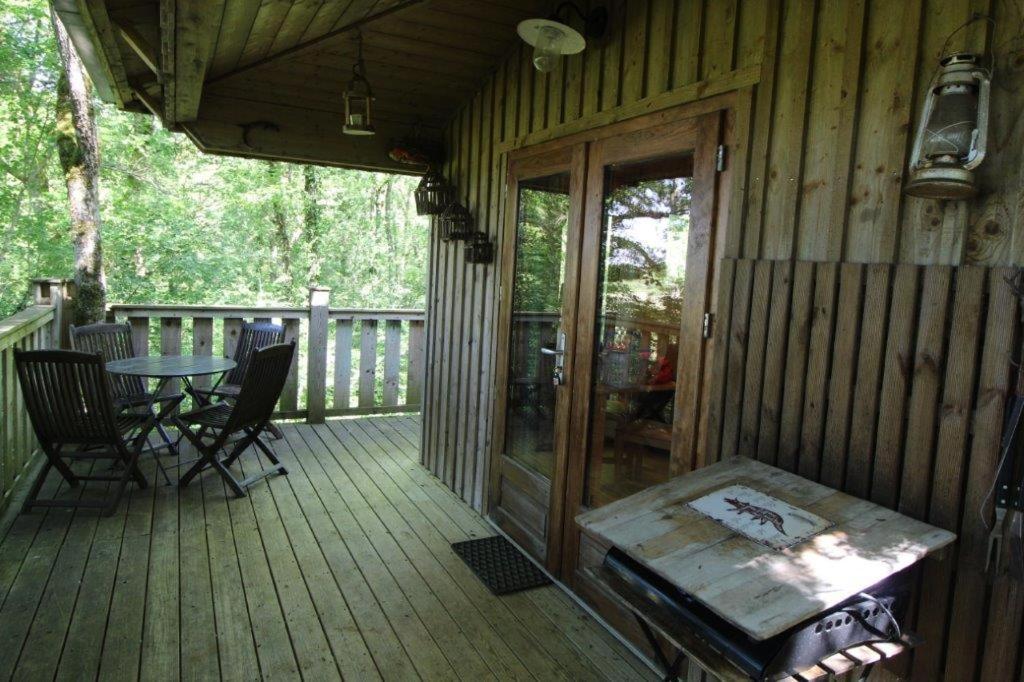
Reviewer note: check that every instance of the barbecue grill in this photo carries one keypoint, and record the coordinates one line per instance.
(869, 618)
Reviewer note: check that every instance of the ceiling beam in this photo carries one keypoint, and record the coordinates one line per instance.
(289, 133)
(92, 34)
(197, 23)
(318, 40)
(141, 47)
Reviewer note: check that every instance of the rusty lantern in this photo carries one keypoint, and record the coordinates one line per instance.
(953, 133)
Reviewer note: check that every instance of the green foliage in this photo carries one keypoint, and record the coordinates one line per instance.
(183, 227)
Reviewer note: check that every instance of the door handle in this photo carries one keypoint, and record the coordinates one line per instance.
(552, 351)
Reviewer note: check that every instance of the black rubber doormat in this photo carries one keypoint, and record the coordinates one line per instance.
(499, 565)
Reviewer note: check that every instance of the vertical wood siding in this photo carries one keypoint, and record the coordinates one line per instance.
(821, 159)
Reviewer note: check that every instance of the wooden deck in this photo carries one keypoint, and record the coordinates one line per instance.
(340, 569)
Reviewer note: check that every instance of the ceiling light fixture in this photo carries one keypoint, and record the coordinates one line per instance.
(551, 38)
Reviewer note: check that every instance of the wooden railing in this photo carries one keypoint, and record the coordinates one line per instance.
(34, 328)
(349, 361)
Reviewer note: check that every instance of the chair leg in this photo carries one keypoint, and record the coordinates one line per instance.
(232, 482)
(37, 485)
(274, 431)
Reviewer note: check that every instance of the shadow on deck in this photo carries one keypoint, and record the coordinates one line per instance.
(340, 569)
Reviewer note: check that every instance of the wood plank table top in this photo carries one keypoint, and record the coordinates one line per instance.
(762, 591)
(171, 366)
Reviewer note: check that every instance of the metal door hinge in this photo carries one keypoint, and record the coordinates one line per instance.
(720, 158)
(709, 319)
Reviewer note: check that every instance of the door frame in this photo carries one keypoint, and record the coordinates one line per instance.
(526, 165)
(724, 214)
(701, 134)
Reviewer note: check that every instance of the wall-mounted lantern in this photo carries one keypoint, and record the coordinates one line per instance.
(358, 98)
(433, 194)
(551, 38)
(952, 135)
(479, 249)
(456, 222)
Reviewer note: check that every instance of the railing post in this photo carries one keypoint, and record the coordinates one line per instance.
(316, 378)
(59, 293)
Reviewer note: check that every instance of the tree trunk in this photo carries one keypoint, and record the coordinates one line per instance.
(78, 149)
(312, 221)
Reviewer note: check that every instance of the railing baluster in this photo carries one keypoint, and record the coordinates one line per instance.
(368, 363)
(343, 364)
(392, 360)
(290, 395)
(202, 344)
(10, 453)
(414, 371)
(316, 382)
(170, 344)
(140, 335)
(232, 328)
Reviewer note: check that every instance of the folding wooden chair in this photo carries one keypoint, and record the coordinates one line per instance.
(69, 399)
(252, 337)
(247, 416)
(114, 342)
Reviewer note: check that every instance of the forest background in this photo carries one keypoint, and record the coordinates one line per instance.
(179, 226)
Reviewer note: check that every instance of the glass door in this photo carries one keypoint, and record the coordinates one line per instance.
(535, 352)
(644, 286)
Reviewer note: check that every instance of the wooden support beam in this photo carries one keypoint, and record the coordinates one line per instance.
(92, 34)
(288, 133)
(141, 47)
(197, 23)
(167, 38)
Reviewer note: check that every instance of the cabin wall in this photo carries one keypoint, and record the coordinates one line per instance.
(836, 88)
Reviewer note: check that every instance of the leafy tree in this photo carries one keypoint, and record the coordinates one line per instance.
(183, 227)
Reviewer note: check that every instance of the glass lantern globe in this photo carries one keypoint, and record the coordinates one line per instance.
(952, 136)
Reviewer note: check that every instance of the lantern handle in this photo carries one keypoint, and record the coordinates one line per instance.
(975, 16)
(981, 141)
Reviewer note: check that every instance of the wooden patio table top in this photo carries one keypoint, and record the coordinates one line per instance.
(171, 366)
(761, 590)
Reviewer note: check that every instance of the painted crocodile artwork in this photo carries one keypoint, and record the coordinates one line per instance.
(759, 513)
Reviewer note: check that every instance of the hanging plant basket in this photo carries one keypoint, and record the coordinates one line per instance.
(457, 222)
(433, 194)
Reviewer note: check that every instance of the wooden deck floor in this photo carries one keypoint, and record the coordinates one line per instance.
(340, 569)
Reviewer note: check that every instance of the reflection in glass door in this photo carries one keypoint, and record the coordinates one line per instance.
(536, 337)
(644, 239)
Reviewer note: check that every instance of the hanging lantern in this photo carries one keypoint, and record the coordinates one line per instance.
(952, 136)
(433, 194)
(456, 222)
(479, 249)
(358, 98)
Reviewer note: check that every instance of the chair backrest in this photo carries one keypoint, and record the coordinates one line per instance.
(261, 388)
(254, 335)
(113, 342)
(67, 395)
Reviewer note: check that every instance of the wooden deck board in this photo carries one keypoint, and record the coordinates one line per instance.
(342, 569)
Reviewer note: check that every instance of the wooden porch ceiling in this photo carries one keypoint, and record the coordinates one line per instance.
(265, 79)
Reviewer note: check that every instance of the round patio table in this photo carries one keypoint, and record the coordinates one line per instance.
(164, 368)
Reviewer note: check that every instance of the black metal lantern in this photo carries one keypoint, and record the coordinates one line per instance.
(479, 249)
(433, 194)
(358, 99)
(456, 222)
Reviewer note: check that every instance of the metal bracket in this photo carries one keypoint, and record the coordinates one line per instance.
(720, 158)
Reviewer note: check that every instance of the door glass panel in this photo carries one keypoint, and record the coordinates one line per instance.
(536, 333)
(645, 232)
